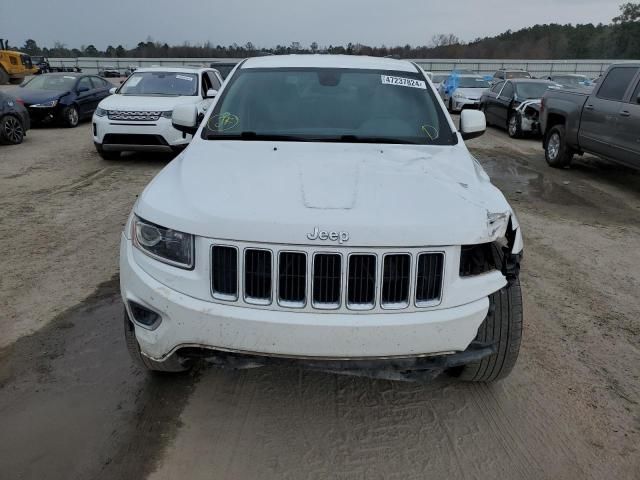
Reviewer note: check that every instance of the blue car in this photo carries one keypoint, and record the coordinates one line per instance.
(63, 98)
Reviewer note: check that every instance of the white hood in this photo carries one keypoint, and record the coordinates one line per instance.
(145, 102)
(391, 195)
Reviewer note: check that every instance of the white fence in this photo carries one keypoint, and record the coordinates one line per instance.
(538, 68)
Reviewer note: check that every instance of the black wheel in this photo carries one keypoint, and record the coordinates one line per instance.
(450, 105)
(514, 125)
(503, 328)
(556, 151)
(70, 116)
(4, 76)
(11, 130)
(108, 155)
(16, 81)
(171, 365)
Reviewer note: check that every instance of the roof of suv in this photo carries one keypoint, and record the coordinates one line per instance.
(168, 68)
(330, 61)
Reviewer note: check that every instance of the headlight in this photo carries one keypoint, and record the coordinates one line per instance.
(167, 114)
(163, 244)
(101, 112)
(50, 104)
(458, 95)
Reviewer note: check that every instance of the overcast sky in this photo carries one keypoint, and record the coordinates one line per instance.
(267, 23)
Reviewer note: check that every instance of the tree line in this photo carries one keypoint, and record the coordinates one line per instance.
(619, 39)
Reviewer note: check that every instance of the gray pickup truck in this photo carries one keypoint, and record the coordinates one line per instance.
(604, 122)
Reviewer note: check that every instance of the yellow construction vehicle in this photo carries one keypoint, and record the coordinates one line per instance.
(14, 66)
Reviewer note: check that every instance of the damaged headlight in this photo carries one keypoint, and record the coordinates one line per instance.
(164, 244)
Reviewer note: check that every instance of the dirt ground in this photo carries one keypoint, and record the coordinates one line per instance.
(72, 406)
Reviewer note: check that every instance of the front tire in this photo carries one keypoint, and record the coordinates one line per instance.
(503, 328)
(108, 155)
(11, 130)
(70, 116)
(514, 125)
(556, 151)
(171, 365)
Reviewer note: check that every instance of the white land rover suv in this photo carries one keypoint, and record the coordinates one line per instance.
(138, 116)
(326, 214)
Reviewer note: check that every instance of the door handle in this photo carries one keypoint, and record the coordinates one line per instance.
(625, 113)
(589, 107)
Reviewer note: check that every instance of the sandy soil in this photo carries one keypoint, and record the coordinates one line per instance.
(73, 406)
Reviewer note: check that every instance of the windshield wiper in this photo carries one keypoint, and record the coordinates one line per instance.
(257, 137)
(364, 139)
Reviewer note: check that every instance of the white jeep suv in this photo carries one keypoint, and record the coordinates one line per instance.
(138, 116)
(326, 214)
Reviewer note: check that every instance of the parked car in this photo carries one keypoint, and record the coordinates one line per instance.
(138, 116)
(605, 122)
(509, 74)
(515, 105)
(109, 71)
(130, 69)
(438, 79)
(461, 91)
(14, 120)
(224, 68)
(328, 214)
(571, 80)
(66, 98)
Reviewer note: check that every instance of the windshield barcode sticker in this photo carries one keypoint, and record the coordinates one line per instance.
(403, 82)
(184, 77)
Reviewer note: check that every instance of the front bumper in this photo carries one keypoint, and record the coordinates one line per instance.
(460, 104)
(43, 115)
(188, 322)
(158, 135)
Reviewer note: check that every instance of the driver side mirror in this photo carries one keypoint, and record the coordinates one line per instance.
(472, 124)
(185, 118)
(211, 93)
(82, 89)
(112, 90)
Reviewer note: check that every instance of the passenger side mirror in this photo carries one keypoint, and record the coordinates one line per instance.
(472, 124)
(82, 89)
(185, 118)
(211, 93)
(112, 90)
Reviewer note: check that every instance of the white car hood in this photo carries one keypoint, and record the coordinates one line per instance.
(390, 195)
(471, 92)
(142, 103)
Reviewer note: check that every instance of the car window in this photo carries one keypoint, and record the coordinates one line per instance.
(507, 91)
(497, 87)
(499, 75)
(206, 83)
(616, 83)
(518, 75)
(215, 83)
(85, 82)
(329, 105)
(51, 82)
(159, 83)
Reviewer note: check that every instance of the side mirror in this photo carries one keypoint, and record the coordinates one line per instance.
(472, 124)
(185, 118)
(112, 90)
(82, 89)
(211, 93)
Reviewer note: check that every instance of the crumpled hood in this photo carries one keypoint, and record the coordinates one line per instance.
(144, 103)
(31, 96)
(390, 195)
(531, 103)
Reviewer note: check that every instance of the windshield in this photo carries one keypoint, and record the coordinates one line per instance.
(518, 75)
(160, 83)
(572, 80)
(532, 90)
(51, 82)
(473, 82)
(315, 104)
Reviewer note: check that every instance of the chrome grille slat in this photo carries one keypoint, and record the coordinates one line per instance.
(361, 285)
(396, 280)
(292, 279)
(257, 276)
(224, 272)
(134, 116)
(327, 280)
(429, 278)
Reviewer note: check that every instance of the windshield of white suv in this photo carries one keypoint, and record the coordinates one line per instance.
(57, 83)
(329, 105)
(473, 82)
(173, 84)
